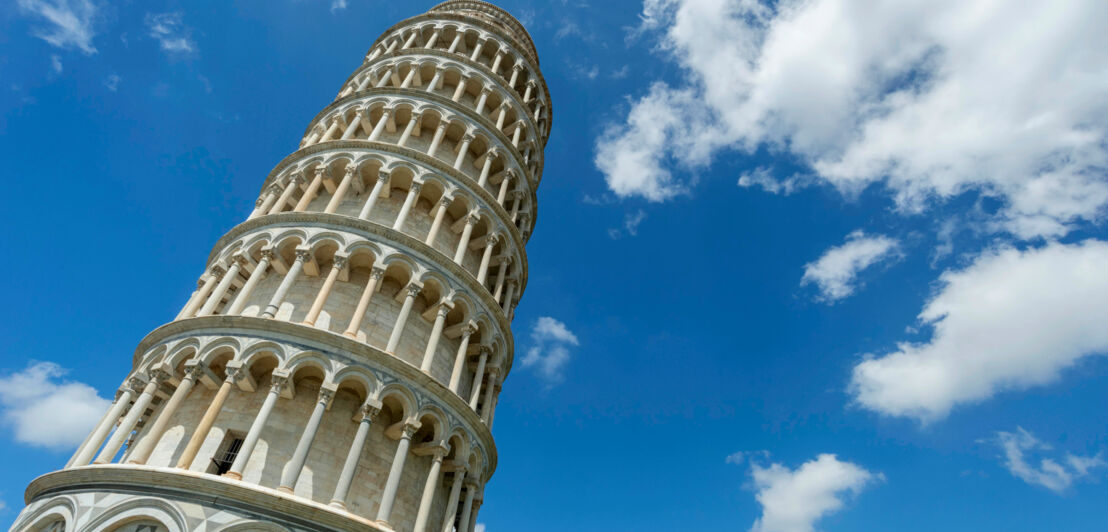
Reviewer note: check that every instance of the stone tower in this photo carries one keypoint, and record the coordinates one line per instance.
(339, 365)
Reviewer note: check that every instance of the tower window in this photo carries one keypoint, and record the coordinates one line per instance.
(228, 450)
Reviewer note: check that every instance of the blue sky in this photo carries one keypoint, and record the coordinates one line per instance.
(797, 266)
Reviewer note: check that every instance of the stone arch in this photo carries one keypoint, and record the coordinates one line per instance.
(253, 526)
(62, 508)
(145, 508)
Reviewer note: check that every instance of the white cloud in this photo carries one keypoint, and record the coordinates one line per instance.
(43, 410)
(56, 63)
(1010, 320)
(762, 177)
(837, 269)
(1049, 473)
(549, 352)
(112, 82)
(170, 32)
(70, 22)
(338, 5)
(931, 98)
(479, 527)
(794, 499)
(631, 222)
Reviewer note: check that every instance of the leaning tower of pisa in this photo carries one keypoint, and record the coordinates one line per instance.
(339, 365)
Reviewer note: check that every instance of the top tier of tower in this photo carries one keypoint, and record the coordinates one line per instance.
(481, 35)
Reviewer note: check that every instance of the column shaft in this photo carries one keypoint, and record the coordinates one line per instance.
(206, 422)
(85, 454)
(393, 482)
(286, 284)
(300, 455)
(428, 497)
(363, 303)
(128, 424)
(150, 439)
(401, 319)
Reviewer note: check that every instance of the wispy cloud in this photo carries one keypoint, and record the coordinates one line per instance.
(1010, 320)
(631, 222)
(836, 271)
(56, 63)
(338, 5)
(42, 409)
(1050, 474)
(112, 82)
(170, 32)
(550, 347)
(794, 499)
(70, 22)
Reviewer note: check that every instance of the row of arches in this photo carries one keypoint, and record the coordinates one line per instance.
(478, 46)
(286, 409)
(431, 130)
(364, 289)
(464, 85)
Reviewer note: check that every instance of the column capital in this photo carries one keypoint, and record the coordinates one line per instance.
(350, 169)
(493, 153)
(386, 112)
(472, 218)
(383, 176)
(413, 289)
(267, 253)
(325, 395)
(136, 383)
(234, 374)
(218, 270)
(469, 328)
(377, 273)
(444, 308)
(304, 255)
(339, 262)
(493, 239)
(160, 375)
(278, 383)
(416, 187)
(468, 137)
(369, 411)
(296, 178)
(409, 429)
(445, 201)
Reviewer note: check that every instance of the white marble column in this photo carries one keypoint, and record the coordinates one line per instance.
(436, 224)
(478, 378)
(337, 266)
(407, 83)
(429, 487)
(409, 200)
(375, 276)
(467, 506)
(460, 358)
(463, 242)
(350, 466)
(509, 176)
(433, 342)
(88, 450)
(454, 44)
(434, 38)
(340, 191)
(459, 90)
(388, 497)
(267, 202)
(286, 194)
(437, 139)
(490, 157)
(490, 385)
(408, 129)
(382, 181)
(302, 256)
(516, 69)
(463, 147)
(278, 383)
(251, 282)
(505, 262)
(379, 127)
(477, 51)
(216, 296)
(486, 257)
(405, 309)
(511, 292)
(452, 501)
(146, 445)
(435, 80)
(206, 422)
(312, 190)
(352, 127)
(481, 100)
(300, 455)
(201, 295)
